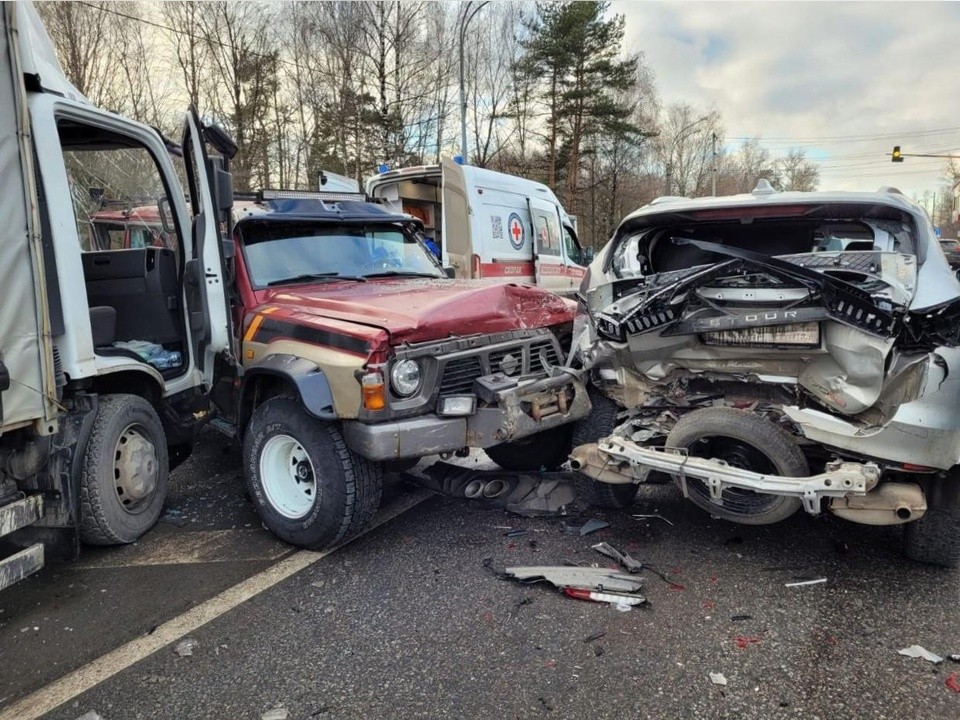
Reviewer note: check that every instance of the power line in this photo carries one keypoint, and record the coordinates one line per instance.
(847, 138)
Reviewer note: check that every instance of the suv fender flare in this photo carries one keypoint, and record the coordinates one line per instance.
(303, 375)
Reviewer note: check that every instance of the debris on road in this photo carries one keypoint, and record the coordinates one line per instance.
(744, 641)
(185, 647)
(592, 525)
(739, 618)
(599, 579)
(622, 558)
(516, 533)
(955, 657)
(801, 583)
(91, 715)
(613, 598)
(918, 651)
(649, 516)
(953, 682)
(594, 636)
(718, 679)
(529, 494)
(277, 713)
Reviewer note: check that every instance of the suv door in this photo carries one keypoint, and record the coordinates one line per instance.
(547, 245)
(205, 275)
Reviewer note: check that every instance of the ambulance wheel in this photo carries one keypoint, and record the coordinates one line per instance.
(309, 488)
(124, 471)
(547, 450)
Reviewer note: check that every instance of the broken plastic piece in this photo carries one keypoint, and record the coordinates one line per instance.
(718, 679)
(955, 657)
(185, 647)
(624, 560)
(592, 525)
(595, 636)
(737, 618)
(805, 582)
(599, 579)
(614, 598)
(516, 533)
(744, 641)
(278, 713)
(918, 651)
(653, 515)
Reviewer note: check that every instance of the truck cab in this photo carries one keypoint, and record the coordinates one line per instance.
(107, 350)
(359, 353)
(489, 225)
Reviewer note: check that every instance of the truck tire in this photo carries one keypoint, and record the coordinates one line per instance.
(309, 488)
(599, 424)
(124, 472)
(934, 539)
(546, 450)
(745, 440)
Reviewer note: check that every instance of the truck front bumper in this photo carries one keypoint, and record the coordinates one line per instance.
(518, 413)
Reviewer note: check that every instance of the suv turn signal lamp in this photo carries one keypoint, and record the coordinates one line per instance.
(896, 155)
(374, 392)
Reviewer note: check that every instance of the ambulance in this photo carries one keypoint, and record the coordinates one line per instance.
(488, 225)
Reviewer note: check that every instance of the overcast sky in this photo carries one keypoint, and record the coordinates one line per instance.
(844, 80)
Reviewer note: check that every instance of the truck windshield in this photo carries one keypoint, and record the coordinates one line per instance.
(278, 251)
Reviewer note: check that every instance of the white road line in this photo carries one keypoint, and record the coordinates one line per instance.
(106, 666)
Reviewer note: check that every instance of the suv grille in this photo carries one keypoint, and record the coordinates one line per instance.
(459, 374)
(514, 360)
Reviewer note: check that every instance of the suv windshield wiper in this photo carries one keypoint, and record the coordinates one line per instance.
(315, 277)
(403, 273)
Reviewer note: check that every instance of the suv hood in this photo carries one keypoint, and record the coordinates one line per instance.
(419, 310)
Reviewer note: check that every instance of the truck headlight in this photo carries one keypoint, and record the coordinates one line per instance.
(405, 377)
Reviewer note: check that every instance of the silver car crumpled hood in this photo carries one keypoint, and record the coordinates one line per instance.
(875, 353)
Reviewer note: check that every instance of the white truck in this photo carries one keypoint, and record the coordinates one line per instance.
(107, 357)
(488, 225)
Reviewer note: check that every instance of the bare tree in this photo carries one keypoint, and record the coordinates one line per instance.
(795, 172)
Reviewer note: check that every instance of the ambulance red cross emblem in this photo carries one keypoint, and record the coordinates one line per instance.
(515, 230)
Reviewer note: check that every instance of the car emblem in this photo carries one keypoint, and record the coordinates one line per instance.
(509, 365)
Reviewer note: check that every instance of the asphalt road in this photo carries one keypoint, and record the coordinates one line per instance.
(406, 622)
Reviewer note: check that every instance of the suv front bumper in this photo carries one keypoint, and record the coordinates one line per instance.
(510, 419)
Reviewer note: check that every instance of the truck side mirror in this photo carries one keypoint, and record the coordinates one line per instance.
(450, 271)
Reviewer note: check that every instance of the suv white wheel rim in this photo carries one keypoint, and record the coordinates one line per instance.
(288, 476)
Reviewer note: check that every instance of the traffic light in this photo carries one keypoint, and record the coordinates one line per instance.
(896, 156)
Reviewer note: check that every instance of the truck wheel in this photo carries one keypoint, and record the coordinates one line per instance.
(123, 481)
(546, 450)
(935, 538)
(599, 424)
(310, 489)
(743, 440)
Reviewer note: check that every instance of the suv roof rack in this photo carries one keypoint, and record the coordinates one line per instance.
(276, 194)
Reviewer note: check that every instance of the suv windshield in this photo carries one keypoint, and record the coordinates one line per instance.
(304, 251)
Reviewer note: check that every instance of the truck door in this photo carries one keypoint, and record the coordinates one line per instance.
(205, 274)
(547, 245)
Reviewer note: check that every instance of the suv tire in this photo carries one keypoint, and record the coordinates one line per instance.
(309, 488)
(546, 450)
(935, 538)
(124, 472)
(745, 440)
(599, 424)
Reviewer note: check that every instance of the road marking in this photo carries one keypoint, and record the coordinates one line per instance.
(106, 666)
(185, 547)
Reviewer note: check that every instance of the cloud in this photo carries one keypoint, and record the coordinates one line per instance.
(844, 80)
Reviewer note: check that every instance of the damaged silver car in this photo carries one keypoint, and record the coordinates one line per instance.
(778, 351)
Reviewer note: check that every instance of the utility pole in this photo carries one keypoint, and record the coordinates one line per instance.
(469, 12)
(713, 182)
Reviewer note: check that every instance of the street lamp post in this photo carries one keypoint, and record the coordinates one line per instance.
(673, 147)
(469, 12)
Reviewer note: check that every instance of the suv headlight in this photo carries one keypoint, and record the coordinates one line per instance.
(405, 377)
